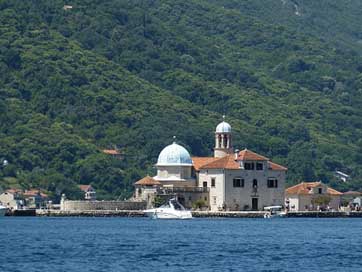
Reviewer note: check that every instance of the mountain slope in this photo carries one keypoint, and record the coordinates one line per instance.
(135, 73)
(330, 20)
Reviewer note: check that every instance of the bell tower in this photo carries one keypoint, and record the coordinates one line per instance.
(223, 142)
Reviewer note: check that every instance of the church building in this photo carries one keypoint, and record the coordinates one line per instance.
(230, 180)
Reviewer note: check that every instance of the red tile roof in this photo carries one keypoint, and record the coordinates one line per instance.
(148, 181)
(353, 193)
(14, 191)
(332, 191)
(198, 162)
(27, 193)
(276, 167)
(229, 162)
(34, 192)
(85, 188)
(111, 152)
(247, 155)
(304, 189)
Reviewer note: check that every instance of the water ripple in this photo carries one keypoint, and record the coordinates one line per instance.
(139, 244)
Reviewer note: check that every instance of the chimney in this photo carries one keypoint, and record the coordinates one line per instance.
(236, 154)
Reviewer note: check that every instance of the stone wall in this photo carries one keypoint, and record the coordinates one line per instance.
(82, 205)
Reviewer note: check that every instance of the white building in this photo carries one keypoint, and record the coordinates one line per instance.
(89, 192)
(227, 181)
(342, 176)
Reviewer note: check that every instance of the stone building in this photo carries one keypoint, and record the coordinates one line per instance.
(146, 190)
(311, 196)
(16, 199)
(227, 181)
(348, 197)
(12, 199)
(241, 181)
(35, 199)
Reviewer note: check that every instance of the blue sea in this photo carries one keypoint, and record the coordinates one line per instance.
(142, 244)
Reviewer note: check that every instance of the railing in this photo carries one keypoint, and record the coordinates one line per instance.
(185, 190)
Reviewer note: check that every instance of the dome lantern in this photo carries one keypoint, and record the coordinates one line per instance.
(223, 127)
(223, 145)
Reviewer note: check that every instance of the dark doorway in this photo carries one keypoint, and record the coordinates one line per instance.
(181, 199)
(254, 204)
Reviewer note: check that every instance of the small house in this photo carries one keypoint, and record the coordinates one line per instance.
(89, 192)
(12, 199)
(312, 196)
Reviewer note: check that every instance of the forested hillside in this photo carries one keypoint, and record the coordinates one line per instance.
(330, 20)
(132, 74)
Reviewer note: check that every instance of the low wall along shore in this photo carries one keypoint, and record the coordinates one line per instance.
(90, 213)
(81, 205)
(203, 214)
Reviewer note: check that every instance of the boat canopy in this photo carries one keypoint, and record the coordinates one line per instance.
(269, 208)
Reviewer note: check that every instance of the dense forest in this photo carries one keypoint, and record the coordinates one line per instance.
(131, 74)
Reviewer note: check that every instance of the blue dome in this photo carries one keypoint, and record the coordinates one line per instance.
(174, 154)
(223, 127)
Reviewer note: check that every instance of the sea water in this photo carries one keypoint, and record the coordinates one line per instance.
(142, 244)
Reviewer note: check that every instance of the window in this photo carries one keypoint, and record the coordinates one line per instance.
(249, 166)
(238, 182)
(255, 183)
(320, 191)
(204, 184)
(259, 166)
(193, 173)
(212, 182)
(272, 183)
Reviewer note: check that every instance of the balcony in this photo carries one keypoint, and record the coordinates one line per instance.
(171, 190)
(254, 191)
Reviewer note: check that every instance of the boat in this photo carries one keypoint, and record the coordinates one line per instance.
(171, 210)
(274, 211)
(3, 210)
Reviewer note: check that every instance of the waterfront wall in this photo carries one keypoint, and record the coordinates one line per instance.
(229, 214)
(82, 205)
(324, 214)
(202, 214)
(89, 213)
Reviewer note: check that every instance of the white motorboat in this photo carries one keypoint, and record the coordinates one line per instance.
(3, 210)
(171, 210)
(274, 211)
